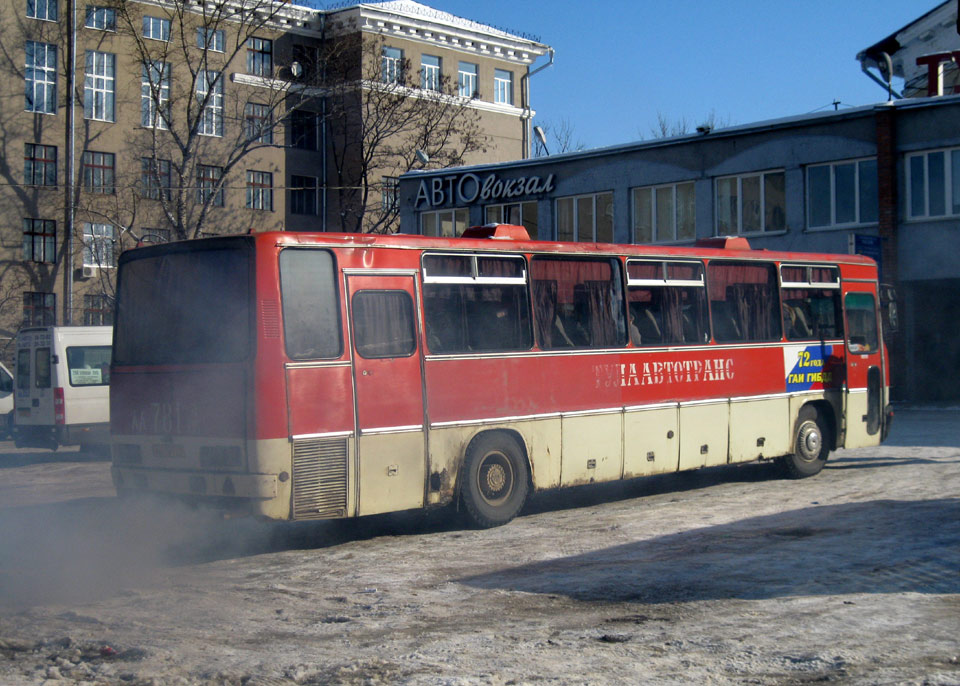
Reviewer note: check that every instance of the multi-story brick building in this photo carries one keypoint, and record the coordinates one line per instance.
(190, 119)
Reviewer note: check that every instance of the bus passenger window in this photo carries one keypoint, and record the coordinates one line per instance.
(383, 324)
(311, 309)
(476, 303)
(811, 302)
(578, 303)
(667, 302)
(744, 302)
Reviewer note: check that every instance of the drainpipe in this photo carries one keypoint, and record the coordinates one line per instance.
(323, 125)
(525, 103)
(69, 140)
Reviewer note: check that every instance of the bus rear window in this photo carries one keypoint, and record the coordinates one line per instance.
(89, 365)
(184, 306)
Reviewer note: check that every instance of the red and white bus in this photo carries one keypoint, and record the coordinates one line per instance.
(313, 375)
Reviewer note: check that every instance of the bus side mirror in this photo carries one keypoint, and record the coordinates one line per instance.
(54, 359)
(888, 301)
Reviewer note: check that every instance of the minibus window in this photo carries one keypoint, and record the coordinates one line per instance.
(42, 368)
(23, 370)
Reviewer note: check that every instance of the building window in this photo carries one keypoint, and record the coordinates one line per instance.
(258, 122)
(99, 87)
(39, 165)
(210, 39)
(155, 95)
(155, 179)
(585, 218)
(467, 79)
(444, 222)
(260, 57)
(102, 18)
(664, 213)
(430, 73)
(39, 240)
(208, 180)
(306, 56)
(503, 86)
(391, 65)
(842, 193)
(156, 28)
(303, 195)
(259, 190)
(210, 98)
(519, 214)
(751, 203)
(933, 183)
(389, 194)
(42, 9)
(99, 245)
(41, 77)
(97, 310)
(39, 309)
(303, 130)
(98, 172)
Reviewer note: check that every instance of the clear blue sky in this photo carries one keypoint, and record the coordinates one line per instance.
(619, 63)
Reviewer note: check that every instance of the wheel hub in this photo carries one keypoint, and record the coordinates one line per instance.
(810, 442)
(496, 478)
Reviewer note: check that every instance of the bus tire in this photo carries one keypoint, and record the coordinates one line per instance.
(495, 480)
(811, 446)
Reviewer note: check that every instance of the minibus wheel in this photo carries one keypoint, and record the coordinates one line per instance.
(495, 480)
(811, 447)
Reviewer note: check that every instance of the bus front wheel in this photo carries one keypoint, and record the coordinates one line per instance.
(811, 447)
(495, 480)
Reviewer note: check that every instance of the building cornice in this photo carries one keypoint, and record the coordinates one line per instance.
(468, 38)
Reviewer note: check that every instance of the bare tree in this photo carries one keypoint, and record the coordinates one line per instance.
(198, 122)
(561, 136)
(379, 116)
(667, 128)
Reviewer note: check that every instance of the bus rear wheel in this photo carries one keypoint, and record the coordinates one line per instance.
(495, 480)
(811, 447)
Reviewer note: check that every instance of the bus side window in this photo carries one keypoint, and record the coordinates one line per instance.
(311, 307)
(586, 311)
(383, 324)
(811, 302)
(745, 302)
(476, 303)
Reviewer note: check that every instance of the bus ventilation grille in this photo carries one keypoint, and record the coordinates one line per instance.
(319, 478)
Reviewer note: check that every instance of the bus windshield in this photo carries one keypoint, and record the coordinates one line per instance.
(184, 307)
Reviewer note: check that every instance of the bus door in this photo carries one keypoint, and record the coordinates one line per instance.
(864, 392)
(388, 387)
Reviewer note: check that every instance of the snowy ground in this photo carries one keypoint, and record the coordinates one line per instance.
(724, 576)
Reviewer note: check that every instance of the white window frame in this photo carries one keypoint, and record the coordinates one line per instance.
(101, 18)
(430, 73)
(210, 39)
(100, 85)
(41, 76)
(156, 28)
(99, 245)
(210, 89)
(576, 199)
(763, 203)
(674, 189)
(951, 184)
(458, 216)
(467, 80)
(155, 95)
(391, 64)
(259, 190)
(858, 191)
(44, 10)
(503, 86)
